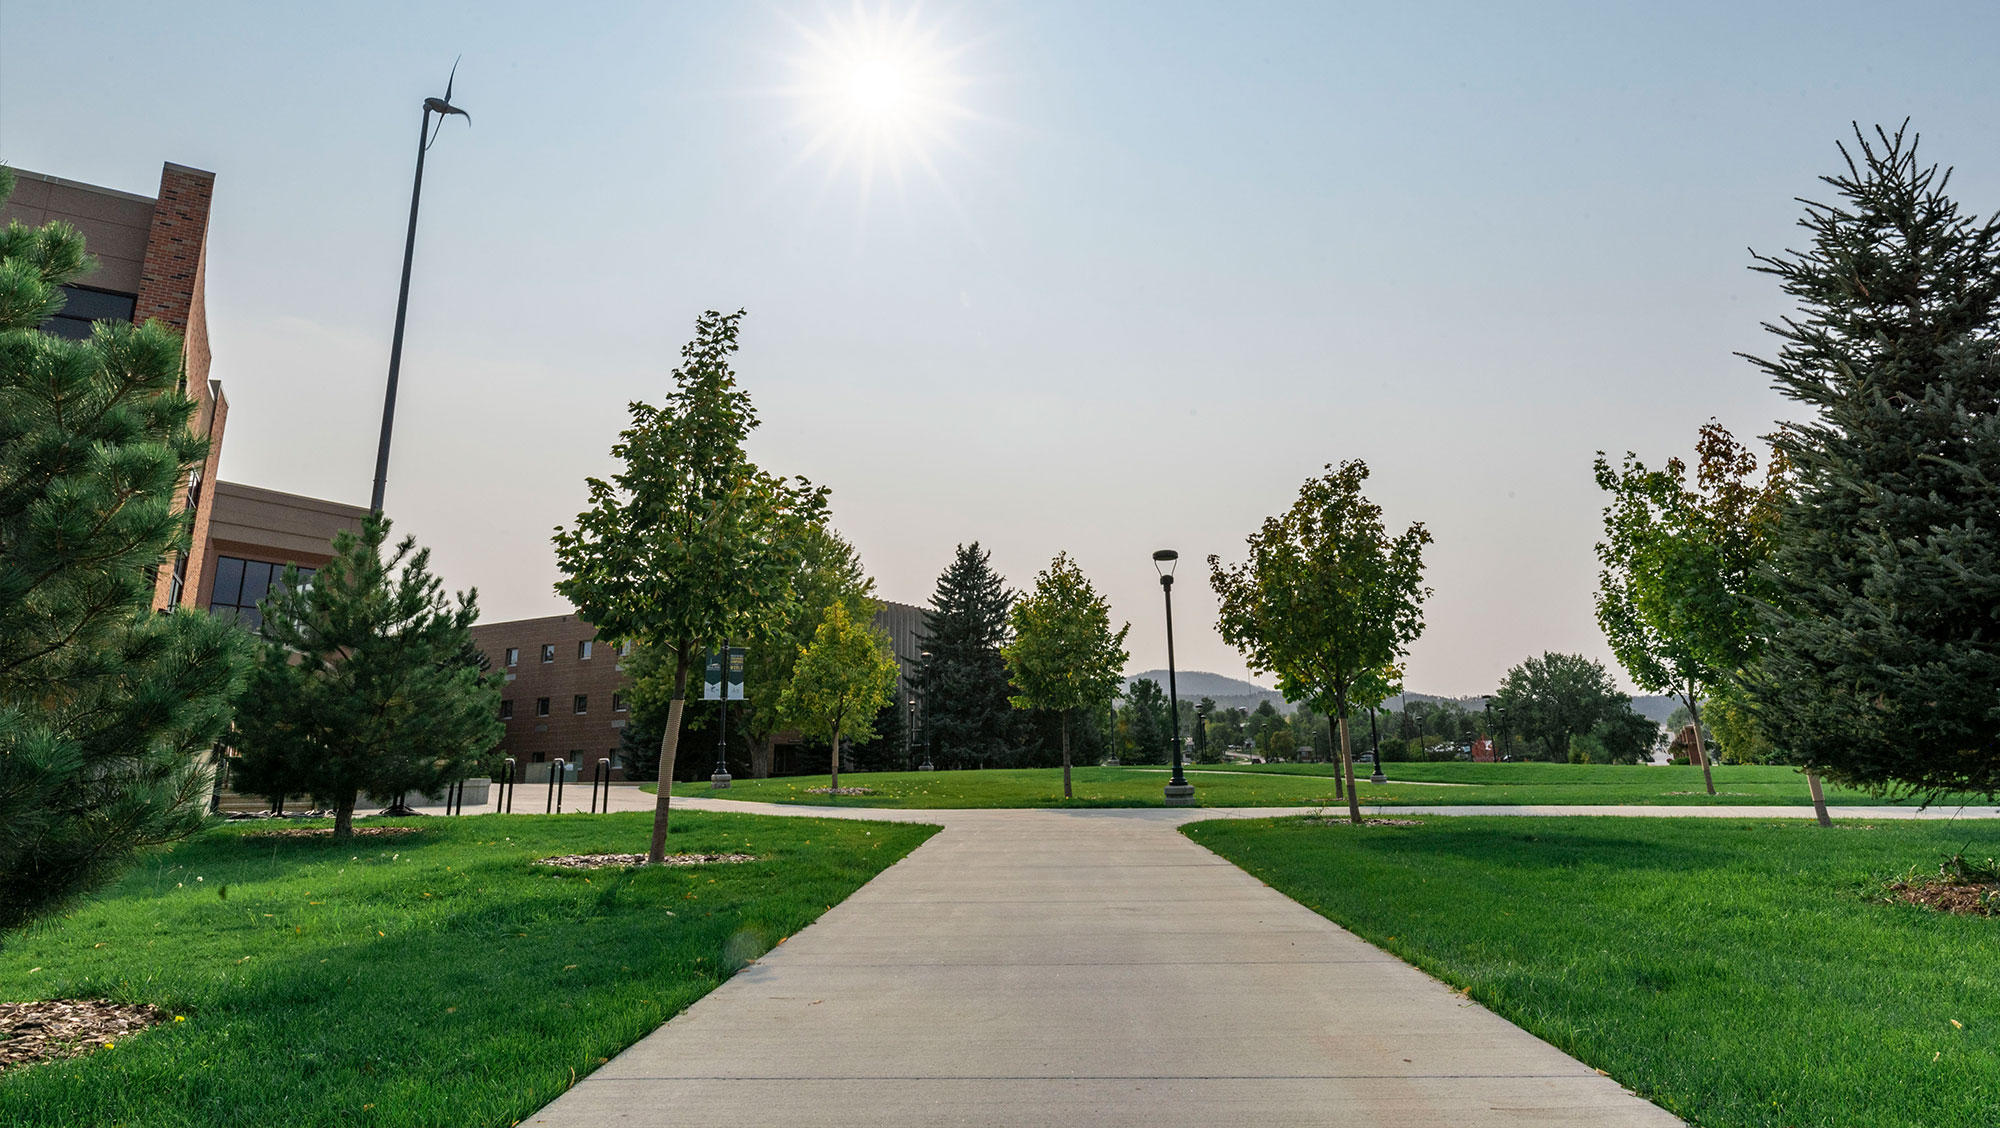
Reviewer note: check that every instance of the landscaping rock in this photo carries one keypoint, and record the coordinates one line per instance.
(60, 1028)
(619, 861)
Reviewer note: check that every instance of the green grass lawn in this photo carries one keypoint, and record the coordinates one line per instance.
(1737, 973)
(434, 979)
(1296, 785)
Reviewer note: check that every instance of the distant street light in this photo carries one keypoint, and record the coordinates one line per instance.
(1180, 793)
(924, 693)
(443, 108)
(1200, 733)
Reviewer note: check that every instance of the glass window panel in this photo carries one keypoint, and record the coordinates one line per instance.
(224, 611)
(250, 617)
(228, 580)
(97, 305)
(256, 581)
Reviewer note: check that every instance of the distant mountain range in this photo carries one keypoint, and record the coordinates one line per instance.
(1235, 693)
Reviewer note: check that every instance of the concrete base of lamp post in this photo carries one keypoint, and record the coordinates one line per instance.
(1378, 777)
(718, 781)
(927, 767)
(1180, 795)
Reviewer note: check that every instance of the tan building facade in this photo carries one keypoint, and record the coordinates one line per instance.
(152, 264)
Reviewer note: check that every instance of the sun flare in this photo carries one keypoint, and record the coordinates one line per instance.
(877, 91)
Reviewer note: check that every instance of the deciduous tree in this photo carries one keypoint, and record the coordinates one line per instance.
(689, 544)
(1550, 700)
(1063, 655)
(1685, 568)
(1327, 599)
(842, 679)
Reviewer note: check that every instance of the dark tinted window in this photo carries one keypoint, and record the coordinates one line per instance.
(228, 581)
(242, 584)
(85, 306)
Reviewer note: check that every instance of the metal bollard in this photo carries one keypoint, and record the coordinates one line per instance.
(506, 795)
(555, 779)
(601, 779)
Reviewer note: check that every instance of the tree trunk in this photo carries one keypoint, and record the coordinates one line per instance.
(1818, 797)
(1066, 791)
(1700, 749)
(670, 743)
(833, 786)
(762, 753)
(343, 817)
(1347, 767)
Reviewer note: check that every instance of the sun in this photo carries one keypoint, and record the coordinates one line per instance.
(878, 91)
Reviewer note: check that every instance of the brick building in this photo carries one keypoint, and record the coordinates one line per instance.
(151, 254)
(564, 692)
(563, 696)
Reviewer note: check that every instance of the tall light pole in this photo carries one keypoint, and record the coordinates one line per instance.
(1180, 793)
(923, 694)
(443, 108)
(1375, 741)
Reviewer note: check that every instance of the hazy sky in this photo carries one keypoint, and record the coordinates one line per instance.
(1095, 277)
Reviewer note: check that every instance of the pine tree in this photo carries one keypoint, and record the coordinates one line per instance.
(966, 713)
(106, 710)
(1883, 651)
(363, 682)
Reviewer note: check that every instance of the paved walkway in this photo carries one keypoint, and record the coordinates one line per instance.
(1083, 968)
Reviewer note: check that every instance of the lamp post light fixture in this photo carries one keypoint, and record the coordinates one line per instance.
(1180, 793)
(443, 108)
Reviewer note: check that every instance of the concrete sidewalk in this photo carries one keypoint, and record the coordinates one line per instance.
(1083, 967)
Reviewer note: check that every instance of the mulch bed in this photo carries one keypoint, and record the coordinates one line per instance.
(60, 1028)
(840, 791)
(1963, 898)
(327, 832)
(620, 861)
(1370, 822)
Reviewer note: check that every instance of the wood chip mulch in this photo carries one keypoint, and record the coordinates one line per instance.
(327, 832)
(1372, 822)
(60, 1028)
(619, 861)
(1963, 898)
(840, 791)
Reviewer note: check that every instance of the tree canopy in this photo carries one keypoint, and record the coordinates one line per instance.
(106, 709)
(1327, 599)
(1883, 651)
(1064, 656)
(967, 721)
(841, 680)
(689, 544)
(1685, 566)
(364, 682)
(1551, 700)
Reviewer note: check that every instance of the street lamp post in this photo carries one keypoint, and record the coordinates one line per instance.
(720, 779)
(1200, 733)
(1375, 741)
(924, 694)
(443, 108)
(1180, 793)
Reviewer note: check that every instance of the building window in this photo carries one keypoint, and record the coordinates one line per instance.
(583, 650)
(240, 585)
(625, 649)
(541, 756)
(506, 710)
(541, 706)
(618, 703)
(513, 656)
(83, 306)
(617, 761)
(548, 652)
(582, 704)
